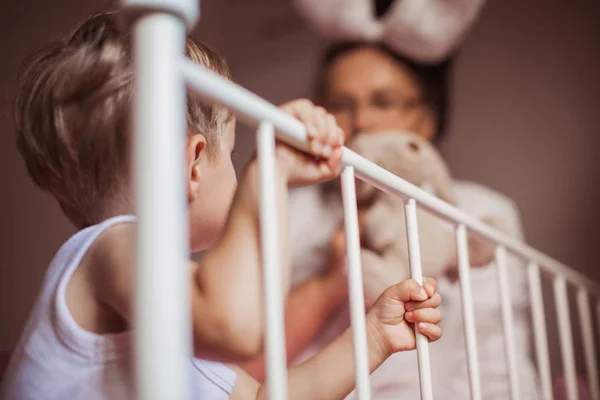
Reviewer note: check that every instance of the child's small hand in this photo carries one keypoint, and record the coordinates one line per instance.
(326, 141)
(401, 304)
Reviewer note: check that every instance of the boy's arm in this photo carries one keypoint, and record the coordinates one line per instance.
(226, 287)
(327, 375)
(229, 284)
(308, 308)
(330, 373)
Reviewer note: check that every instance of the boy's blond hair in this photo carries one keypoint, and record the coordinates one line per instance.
(72, 115)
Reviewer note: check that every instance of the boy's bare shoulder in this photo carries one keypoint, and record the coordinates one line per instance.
(110, 266)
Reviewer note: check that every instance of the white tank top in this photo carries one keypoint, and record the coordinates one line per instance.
(56, 359)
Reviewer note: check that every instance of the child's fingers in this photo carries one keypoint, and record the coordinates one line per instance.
(319, 121)
(302, 110)
(429, 315)
(432, 302)
(306, 112)
(317, 171)
(430, 286)
(324, 134)
(320, 144)
(334, 162)
(318, 125)
(335, 141)
(335, 138)
(432, 331)
(406, 291)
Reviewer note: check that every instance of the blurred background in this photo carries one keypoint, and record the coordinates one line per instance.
(525, 120)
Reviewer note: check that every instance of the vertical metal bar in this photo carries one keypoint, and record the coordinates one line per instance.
(539, 329)
(270, 253)
(566, 339)
(507, 322)
(587, 332)
(414, 253)
(357, 302)
(163, 333)
(462, 252)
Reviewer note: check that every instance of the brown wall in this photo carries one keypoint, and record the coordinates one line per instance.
(525, 121)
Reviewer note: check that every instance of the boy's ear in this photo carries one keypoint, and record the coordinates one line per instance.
(195, 152)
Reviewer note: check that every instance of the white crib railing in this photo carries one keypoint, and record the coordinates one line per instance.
(163, 329)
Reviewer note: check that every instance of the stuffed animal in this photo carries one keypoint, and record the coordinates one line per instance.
(384, 246)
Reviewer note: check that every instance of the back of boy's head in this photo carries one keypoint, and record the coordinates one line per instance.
(72, 116)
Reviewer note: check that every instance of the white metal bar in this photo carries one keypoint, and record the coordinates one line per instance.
(466, 297)
(252, 108)
(414, 254)
(566, 339)
(587, 332)
(270, 254)
(162, 327)
(539, 329)
(355, 282)
(507, 322)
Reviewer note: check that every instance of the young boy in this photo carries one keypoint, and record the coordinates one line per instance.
(71, 119)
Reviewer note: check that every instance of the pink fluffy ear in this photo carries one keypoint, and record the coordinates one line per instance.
(428, 33)
(342, 19)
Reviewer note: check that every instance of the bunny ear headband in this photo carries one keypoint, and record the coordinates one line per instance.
(424, 30)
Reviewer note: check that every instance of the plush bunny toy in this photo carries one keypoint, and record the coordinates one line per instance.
(384, 252)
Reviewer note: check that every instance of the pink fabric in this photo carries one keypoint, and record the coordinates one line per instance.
(426, 30)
